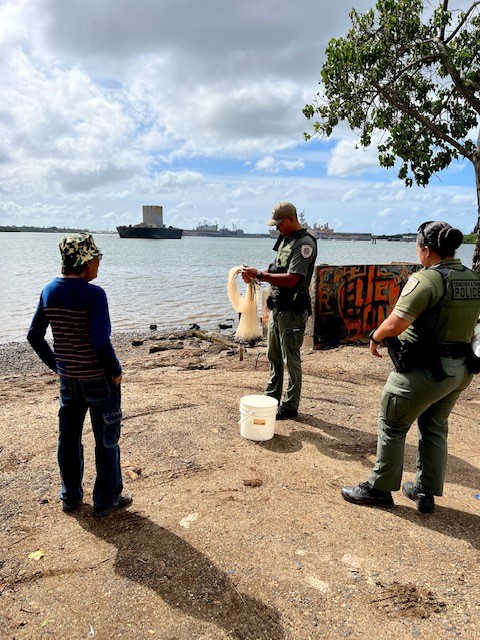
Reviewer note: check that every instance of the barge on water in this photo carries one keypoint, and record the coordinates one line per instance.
(152, 226)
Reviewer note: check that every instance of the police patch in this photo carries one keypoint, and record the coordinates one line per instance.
(410, 286)
(306, 251)
(465, 290)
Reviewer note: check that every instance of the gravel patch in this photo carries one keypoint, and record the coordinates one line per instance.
(19, 359)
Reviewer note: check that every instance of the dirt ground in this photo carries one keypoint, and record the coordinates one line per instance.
(226, 537)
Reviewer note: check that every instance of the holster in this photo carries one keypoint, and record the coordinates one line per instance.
(400, 356)
(406, 357)
(286, 299)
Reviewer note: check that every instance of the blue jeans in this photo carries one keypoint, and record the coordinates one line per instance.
(103, 398)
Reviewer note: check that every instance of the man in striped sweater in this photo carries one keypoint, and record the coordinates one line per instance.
(89, 371)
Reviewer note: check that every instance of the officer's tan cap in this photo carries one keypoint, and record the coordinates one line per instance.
(281, 211)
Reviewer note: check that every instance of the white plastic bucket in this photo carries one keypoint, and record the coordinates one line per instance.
(257, 417)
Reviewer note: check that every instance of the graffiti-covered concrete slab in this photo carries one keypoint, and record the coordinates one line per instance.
(350, 300)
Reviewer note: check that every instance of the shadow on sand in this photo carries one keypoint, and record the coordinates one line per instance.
(182, 576)
(343, 443)
(450, 522)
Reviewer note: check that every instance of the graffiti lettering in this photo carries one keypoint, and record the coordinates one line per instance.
(352, 300)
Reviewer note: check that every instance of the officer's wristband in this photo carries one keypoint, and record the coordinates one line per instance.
(370, 335)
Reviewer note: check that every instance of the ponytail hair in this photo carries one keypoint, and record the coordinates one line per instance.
(439, 237)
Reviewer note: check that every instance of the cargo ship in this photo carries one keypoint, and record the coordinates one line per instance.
(324, 232)
(152, 226)
(212, 231)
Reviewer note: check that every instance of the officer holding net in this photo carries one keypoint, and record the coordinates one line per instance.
(289, 302)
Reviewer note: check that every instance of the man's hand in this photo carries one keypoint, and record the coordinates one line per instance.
(117, 380)
(374, 349)
(249, 274)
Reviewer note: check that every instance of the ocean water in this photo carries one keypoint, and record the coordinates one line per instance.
(171, 283)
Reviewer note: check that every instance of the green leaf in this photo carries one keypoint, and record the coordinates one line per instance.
(408, 76)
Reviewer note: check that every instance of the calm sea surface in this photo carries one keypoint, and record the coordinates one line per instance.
(172, 283)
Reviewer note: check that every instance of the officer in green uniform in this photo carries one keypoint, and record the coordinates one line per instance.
(289, 301)
(435, 315)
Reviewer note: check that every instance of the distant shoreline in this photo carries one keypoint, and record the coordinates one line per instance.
(469, 238)
(25, 229)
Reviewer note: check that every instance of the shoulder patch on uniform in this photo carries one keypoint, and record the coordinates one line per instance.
(410, 286)
(306, 250)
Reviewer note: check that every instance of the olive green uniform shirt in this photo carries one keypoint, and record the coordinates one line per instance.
(299, 253)
(441, 308)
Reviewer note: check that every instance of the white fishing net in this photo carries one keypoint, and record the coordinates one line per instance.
(249, 327)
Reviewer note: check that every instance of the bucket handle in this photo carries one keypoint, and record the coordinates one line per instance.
(249, 415)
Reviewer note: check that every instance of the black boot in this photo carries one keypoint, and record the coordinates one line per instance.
(286, 414)
(364, 493)
(425, 501)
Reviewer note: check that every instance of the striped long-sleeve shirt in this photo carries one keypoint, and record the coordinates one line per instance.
(78, 314)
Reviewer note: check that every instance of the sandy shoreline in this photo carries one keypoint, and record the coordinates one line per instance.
(230, 539)
(17, 358)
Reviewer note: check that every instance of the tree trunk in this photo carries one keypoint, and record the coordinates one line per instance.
(476, 253)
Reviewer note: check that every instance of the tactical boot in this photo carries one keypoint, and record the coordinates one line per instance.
(364, 493)
(425, 501)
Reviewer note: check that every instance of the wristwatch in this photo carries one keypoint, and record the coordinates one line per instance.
(259, 275)
(370, 335)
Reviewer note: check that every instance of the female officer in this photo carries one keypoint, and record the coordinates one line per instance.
(436, 315)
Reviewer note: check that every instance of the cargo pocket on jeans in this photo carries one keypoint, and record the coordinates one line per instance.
(66, 391)
(111, 428)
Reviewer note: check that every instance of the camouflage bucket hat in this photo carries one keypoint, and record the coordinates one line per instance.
(78, 248)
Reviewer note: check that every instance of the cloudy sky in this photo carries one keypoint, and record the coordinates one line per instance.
(196, 105)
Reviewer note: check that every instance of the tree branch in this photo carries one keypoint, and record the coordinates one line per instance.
(457, 80)
(412, 65)
(392, 97)
(460, 24)
(442, 31)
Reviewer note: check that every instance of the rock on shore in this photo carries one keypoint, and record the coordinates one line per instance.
(18, 358)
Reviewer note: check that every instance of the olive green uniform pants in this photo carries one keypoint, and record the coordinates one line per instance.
(286, 330)
(415, 396)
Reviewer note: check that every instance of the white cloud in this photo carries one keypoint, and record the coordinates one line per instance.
(267, 163)
(351, 194)
(464, 199)
(178, 179)
(107, 105)
(348, 160)
(244, 190)
(63, 132)
(291, 165)
(270, 165)
(186, 206)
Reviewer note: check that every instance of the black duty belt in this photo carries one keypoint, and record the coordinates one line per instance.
(453, 349)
